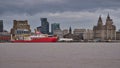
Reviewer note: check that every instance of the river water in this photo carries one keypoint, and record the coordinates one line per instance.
(59, 55)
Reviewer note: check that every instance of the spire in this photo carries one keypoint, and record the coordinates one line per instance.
(108, 17)
(100, 21)
(108, 20)
(70, 30)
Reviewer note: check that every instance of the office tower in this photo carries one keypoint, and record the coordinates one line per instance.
(55, 26)
(1, 25)
(44, 28)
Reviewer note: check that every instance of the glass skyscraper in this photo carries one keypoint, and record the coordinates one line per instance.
(44, 28)
(54, 27)
(1, 25)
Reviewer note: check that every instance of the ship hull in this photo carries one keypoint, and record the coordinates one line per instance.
(36, 40)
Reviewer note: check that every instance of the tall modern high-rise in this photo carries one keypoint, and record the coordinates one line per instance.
(1, 25)
(44, 28)
(55, 26)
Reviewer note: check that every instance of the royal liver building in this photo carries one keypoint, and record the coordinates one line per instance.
(105, 32)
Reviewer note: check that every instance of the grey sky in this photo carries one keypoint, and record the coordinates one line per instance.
(74, 13)
(36, 6)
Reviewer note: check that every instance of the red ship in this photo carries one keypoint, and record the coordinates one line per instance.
(46, 39)
(38, 37)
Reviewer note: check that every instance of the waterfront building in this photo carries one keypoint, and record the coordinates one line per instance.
(1, 25)
(5, 37)
(69, 35)
(65, 31)
(21, 29)
(44, 28)
(105, 32)
(80, 34)
(55, 26)
(79, 31)
(88, 35)
(58, 32)
(118, 35)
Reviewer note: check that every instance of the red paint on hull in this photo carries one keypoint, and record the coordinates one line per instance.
(46, 39)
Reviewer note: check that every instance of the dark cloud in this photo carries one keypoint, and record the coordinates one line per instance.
(75, 13)
(36, 6)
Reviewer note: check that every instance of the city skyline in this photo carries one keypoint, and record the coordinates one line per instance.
(32, 29)
(77, 13)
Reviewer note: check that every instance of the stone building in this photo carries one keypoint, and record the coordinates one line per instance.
(118, 35)
(105, 32)
(88, 35)
(58, 32)
(79, 31)
(69, 35)
(65, 31)
(83, 34)
(79, 34)
(20, 29)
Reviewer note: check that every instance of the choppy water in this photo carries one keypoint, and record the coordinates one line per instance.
(60, 55)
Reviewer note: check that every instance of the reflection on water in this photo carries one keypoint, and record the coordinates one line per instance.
(60, 55)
